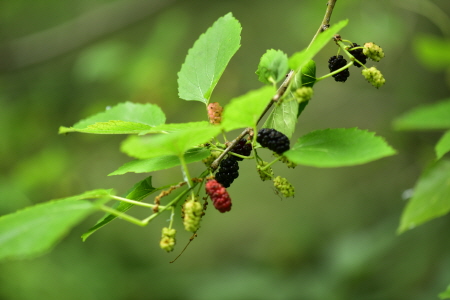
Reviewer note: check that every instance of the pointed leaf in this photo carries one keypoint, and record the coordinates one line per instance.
(161, 162)
(34, 230)
(434, 116)
(176, 143)
(431, 197)
(443, 146)
(138, 192)
(124, 118)
(208, 58)
(297, 60)
(338, 147)
(284, 116)
(273, 67)
(244, 111)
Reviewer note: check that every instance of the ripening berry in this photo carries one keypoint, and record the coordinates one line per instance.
(219, 195)
(283, 186)
(273, 139)
(286, 161)
(193, 211)
(374, 76)
(335, 63)
(167, 241)
(242, 148)
(373, 51)
(228, 171)
(359, 55)
(215, 113)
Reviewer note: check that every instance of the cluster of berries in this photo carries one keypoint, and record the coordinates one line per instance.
(273, 139)
(229, 167)
(219, 195)
(361, 54)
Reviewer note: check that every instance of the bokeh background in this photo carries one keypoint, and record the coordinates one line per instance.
(61, 61)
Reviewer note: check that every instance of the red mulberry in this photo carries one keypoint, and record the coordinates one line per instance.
(219, 196)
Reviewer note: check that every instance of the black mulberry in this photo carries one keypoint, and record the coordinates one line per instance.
(274, 140)
(242, 148)
(359, 55)
(335, 63)
(228, 171)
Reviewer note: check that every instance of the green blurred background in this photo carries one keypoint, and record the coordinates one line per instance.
(64, 60)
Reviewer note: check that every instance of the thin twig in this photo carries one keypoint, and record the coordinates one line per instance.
(326, 20)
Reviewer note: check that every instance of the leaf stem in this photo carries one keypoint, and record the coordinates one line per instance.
(123, 216)
(132, 201)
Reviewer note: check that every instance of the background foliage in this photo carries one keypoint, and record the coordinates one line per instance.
(335, 240)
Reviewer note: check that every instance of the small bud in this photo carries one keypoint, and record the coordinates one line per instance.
(284, 187)
(167, 239)
(373, 51)
(215, 113)
(193, 211)
(374, 76)
(303, 94)
(266, 174)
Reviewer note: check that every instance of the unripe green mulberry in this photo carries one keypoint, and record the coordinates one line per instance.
(212, 157)
(286, 161)
(193, 211)
(266, 174)
(373, 51)
(284, 187)
(303, 94)
(374, 76)
(167, 242)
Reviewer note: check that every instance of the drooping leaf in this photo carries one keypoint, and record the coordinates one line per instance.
(208, 58)
(245, 110)
(445, 294)
(297, 60)
(306, 76)
(283, 117)
(138, 192)
(431, 198)
(429, 117)
(176, 143)
(161, 162)
(443, 146)
(432, 51)
(338, 147)
(273, 67)
(34, 230)
(124, 118)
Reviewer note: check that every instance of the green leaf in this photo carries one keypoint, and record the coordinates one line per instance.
(124, 118)
(445, 294)
(208, 58)
(176, 143)
(338, 147)
(429, 117)
(284, 116)
(272, 67)
(244, 111)
(297, 60)
(431, 198)
(34, 230)
(305, 78)
(443, 146)
(174, 127)
(138, 192)
(161, 162)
